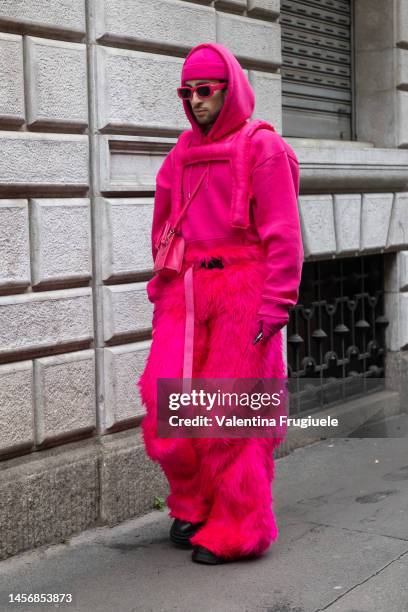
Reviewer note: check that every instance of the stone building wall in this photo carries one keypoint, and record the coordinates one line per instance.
(88, 112)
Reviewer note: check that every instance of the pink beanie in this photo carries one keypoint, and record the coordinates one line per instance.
(205, 63)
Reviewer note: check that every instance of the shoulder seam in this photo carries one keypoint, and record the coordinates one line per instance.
(256, 166)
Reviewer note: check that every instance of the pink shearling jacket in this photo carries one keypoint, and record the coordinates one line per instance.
(274, 189)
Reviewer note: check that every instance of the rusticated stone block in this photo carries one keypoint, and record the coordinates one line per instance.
(127, 310)
(126, 238)
(374, 20)
(402, 106)
(65, 395)
(392, 312)
(49, 14)
(128, 82)
(396, 311)
(398, 230)
(11, 79)
(238, 5)
(161, 23)
(57, 82)
(401, 22)
(396, 271)
(30, 161)
(404, 321)
(264, 8)
(268, 97)
(38, 320)
(16, 406)
(123, 366)
(347, 215)
(403, 278)
(316, 211)
(61, 239)
(391, 271)
(376, 214)
(14, 244)
(253, 40)
(402, 68)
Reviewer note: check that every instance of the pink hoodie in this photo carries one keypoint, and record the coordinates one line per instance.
(275, 187)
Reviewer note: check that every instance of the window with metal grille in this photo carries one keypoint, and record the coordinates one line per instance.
(336, 332)
(317, 68)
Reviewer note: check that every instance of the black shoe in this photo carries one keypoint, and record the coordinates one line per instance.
(203, 555)
(182, 531)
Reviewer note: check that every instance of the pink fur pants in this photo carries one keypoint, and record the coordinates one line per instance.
(224, 483)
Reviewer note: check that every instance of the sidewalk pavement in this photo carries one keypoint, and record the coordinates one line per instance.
(342, 511)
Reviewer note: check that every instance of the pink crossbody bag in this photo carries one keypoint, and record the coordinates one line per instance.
(170, 244)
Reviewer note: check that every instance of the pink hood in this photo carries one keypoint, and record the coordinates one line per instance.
(274, 181)
(239, 101)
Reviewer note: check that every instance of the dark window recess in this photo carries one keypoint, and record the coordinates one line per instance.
(317, 68)
(335, 333)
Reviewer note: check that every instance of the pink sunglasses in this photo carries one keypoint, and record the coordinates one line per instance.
(205, 90)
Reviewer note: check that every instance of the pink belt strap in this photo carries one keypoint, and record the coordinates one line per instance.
(189, 330)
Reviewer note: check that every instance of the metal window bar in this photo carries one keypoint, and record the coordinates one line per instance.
(336, 332)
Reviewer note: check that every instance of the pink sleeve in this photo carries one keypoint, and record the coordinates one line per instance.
(161, 212)
(275, 188)
(162, 199)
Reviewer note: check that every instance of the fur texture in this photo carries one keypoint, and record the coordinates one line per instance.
(224, 482)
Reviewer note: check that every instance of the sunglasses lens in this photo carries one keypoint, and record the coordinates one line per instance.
(184, 92)
(204, 91)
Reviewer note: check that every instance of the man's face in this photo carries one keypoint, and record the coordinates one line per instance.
(207, 110)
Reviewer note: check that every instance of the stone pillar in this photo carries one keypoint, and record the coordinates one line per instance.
(381, 80)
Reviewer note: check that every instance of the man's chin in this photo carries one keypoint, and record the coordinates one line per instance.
(202, 120)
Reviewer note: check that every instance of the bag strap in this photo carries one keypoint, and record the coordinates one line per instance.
(239, 214)
(183, 210)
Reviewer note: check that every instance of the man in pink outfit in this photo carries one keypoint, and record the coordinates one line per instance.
(244, 249)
